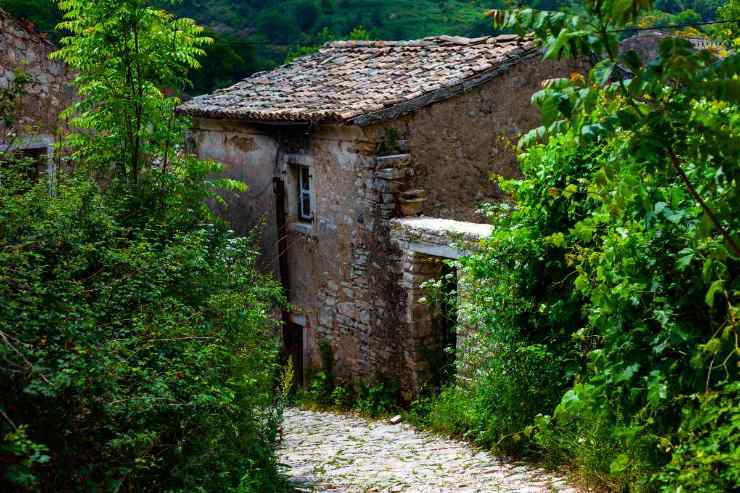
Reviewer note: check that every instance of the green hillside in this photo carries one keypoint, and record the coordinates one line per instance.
(266, 33)
(254, 35)
(293, 20)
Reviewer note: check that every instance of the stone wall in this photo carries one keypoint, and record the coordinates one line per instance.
(342, 273)
(426, 243)
(50, 92)
(458, 144)
(353, 289)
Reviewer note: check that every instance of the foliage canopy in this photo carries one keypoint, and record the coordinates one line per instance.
(138, 351)
(608, 294)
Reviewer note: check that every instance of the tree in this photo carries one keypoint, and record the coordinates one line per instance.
(138, 351)
(654, 246)
(132, 62)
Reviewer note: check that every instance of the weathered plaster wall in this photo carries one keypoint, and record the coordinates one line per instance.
(342, 273)
(249, 154)
(51, 90)
(456, 145)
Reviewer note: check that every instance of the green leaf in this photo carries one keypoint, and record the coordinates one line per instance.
(556, 239)
(602, 72)
(687, 255)
(627, 373)
(569, 191)
(619, 464)
(657, 389)
(715, 288)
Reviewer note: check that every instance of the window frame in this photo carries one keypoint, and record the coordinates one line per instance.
(305, 192)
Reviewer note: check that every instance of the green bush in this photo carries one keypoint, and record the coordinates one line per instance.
(378, 399)
(706, 458)
(137, 346)
(137, 349)
(606, 297)
(319, 391)
(323, 392)
(341, 397)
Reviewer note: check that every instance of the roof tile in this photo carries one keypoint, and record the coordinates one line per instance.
(363, 81)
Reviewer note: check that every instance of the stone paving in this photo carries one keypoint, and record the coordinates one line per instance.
(347, 454)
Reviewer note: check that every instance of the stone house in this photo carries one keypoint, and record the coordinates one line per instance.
(48, 94)
(336, 148)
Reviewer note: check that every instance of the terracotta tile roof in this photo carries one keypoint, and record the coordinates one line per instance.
(364, 81)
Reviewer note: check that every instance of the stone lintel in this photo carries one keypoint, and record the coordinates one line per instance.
(437, 237)
(442, 251)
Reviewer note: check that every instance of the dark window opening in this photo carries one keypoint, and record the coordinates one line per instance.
(445, 326)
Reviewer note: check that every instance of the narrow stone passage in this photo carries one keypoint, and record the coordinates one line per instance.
(334, 453)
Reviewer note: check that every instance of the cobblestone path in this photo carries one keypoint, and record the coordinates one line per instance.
(334, 453)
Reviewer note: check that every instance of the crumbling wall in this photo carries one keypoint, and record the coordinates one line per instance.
(50, 91)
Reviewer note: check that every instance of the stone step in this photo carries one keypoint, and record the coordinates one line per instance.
(393, 161)
(390, 173)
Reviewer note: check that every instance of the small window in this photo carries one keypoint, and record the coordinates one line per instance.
(305, 194)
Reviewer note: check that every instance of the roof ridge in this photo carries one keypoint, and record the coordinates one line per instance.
(350, 80)
(439, 39)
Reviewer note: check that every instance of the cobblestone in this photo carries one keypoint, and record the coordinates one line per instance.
(330, 453)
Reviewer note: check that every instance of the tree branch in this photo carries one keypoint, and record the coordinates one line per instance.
(709, 212)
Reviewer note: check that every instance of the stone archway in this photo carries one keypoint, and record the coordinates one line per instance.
(426, 243)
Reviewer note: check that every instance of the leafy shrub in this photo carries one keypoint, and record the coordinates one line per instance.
(449, 412)
(376, 400)
(137, 348)
(527, 355)
(606, 296)
(706, 458)
(324, 392)
(319, 390)
(341, 397)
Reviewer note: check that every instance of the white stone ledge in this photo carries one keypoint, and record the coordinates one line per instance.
(441, 251)
(438, 237)
(445, 227)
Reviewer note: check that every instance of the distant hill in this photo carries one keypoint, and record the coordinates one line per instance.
(265, 33)
(290, 20)
(254, 35)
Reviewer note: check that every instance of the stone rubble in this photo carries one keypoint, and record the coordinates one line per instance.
(330, 453)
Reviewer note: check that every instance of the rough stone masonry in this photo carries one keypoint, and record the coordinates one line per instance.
(50, 91)
(347, 133)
